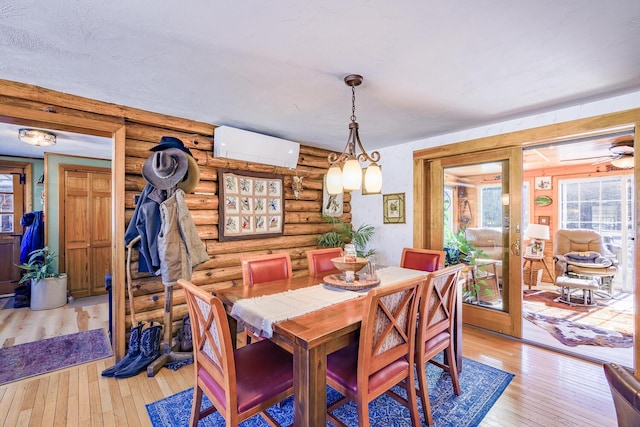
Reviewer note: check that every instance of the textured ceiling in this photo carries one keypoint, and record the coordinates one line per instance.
(429, 67)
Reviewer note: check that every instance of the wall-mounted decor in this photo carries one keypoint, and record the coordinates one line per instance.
(332, 204)
(543, 183)
(544, 220)
(542, 201)
(250, 205)
(393, 208)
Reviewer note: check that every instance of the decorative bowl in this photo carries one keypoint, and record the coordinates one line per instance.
(349, 266)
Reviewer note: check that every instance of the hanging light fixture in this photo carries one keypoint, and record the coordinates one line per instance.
(349, 177)
(37, 137)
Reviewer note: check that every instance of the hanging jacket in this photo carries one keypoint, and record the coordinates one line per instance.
(33, 237)
(179, 246)
(145, 223)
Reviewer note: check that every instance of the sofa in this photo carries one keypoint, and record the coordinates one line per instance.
(490, 242)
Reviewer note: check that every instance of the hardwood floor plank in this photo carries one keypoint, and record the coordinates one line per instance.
(16, 403)
(38, 403)
(48, 416)
(62, 401)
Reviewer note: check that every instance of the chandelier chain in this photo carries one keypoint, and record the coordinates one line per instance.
(353, 103)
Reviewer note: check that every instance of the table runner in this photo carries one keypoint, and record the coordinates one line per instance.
(260, 313)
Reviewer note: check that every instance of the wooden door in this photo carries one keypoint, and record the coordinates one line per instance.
(87, 229)
(11, 211)
(500, 310)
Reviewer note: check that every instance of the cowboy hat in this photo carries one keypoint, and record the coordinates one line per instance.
(192, 177)
(166, 168)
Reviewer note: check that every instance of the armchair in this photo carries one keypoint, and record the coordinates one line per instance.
(582, 254)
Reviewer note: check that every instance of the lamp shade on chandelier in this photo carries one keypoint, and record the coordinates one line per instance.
(345, 172)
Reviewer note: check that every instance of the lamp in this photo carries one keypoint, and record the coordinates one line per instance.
(349, 177)
(538, 234)
(37, 137)
(624, 162)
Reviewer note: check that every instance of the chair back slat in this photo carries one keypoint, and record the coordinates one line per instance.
(422, 259)
(212, 348)
(388, 331)
(437, 304)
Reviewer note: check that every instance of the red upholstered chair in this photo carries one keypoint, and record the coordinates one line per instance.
(422, 259)
(435, 329)
(240, 383)
(264, 268)
(320, 259)
(384, 355)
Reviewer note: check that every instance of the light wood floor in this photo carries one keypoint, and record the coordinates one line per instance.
(548, 390)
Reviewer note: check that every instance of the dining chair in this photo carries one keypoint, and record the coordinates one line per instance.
(422, 259)
(240, 383)
(625, 390)
(384, 354)
(319, 260)
(264, 268)
(435, 333)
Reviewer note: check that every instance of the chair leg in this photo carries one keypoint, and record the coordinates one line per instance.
(453, 369)
(412, 398)
(195, 407)
(424, 390)
(363, 413)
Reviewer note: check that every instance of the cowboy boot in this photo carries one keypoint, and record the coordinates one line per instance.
(186, 341)
(149, 351)
(132, 352)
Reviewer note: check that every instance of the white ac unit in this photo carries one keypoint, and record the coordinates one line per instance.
(238, 144)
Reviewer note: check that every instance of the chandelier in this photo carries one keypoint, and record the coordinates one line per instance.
(36, 137)
(345, 172)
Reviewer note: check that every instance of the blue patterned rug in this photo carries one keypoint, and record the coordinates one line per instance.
(481, 386)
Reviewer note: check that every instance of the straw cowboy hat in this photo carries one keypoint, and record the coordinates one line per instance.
(171, 164)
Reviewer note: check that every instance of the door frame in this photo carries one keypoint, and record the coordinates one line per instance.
(424, 232)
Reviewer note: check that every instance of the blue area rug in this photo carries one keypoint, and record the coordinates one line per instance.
(481, 386)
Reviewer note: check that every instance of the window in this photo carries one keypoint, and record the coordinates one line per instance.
(7, 214)
(491, 206)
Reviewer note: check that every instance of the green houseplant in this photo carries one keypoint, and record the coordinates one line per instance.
(344, 233)
(48, 287)
(459, 249)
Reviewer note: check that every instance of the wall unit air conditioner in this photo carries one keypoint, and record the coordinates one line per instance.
(238, 144)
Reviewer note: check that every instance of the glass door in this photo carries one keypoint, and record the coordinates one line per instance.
(481, 228)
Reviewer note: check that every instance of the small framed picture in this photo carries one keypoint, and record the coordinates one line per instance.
(545, 220)
(393, 208)
(543, 183)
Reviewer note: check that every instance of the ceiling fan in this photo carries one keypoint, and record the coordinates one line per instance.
(621, 153)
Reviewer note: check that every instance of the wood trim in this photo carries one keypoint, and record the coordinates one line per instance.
(598, 125)
(118, 290)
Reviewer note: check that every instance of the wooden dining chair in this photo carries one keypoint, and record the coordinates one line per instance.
(264, 268)
(422, 259)
(436, 315)
(240, 383)
(319, 260)
(384, 354)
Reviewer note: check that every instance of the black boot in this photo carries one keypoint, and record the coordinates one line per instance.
(132, 352)
(149, 351)
(186, 341)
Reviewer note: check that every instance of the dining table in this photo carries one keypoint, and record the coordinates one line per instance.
(328, 322)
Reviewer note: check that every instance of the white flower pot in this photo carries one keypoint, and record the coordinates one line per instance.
(49, 293)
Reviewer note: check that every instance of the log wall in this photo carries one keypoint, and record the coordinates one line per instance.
(303, 221)
(134, 132)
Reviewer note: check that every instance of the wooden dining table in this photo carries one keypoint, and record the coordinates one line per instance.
(309, 337)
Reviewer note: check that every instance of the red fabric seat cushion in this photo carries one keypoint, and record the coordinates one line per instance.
(263, 370)
(342, 367)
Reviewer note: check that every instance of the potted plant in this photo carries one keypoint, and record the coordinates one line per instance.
(344, 233)
(48, 288)
(459, 249)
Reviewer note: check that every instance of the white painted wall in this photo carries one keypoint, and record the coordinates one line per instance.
(397, 170)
